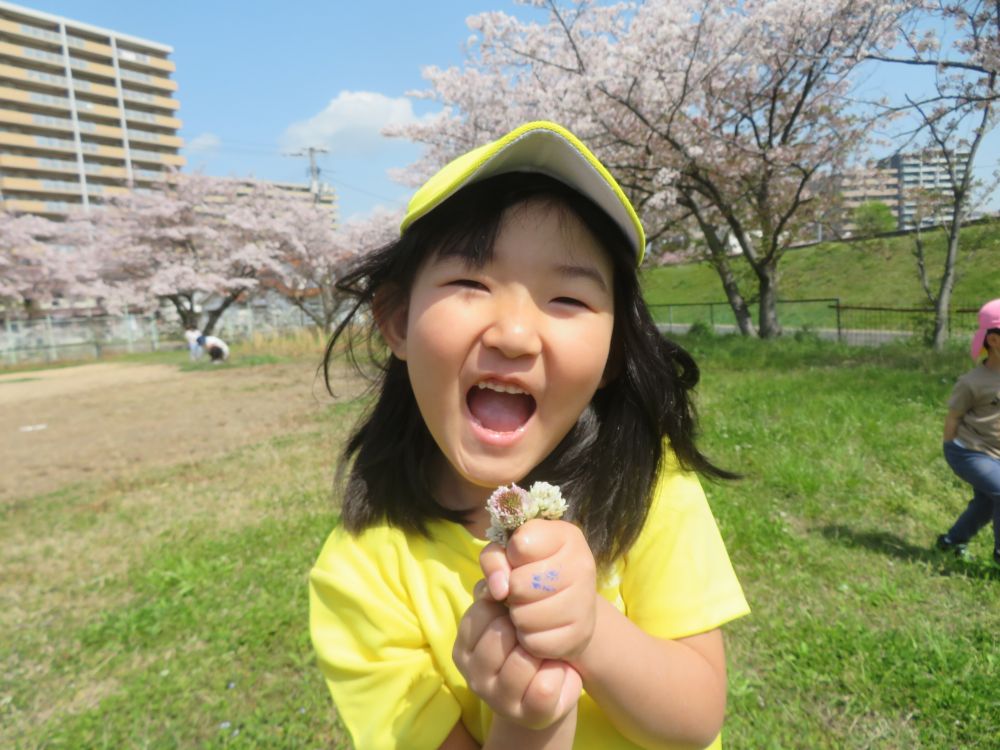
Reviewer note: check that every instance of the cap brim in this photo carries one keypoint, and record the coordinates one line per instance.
(542, 147)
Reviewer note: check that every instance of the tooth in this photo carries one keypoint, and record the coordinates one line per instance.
(501, 387)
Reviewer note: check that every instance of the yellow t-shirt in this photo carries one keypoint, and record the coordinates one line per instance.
(385, 607)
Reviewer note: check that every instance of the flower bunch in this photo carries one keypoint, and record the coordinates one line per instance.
(509, 507)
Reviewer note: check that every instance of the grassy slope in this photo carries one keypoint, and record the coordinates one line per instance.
(872, 272)
(194, 633)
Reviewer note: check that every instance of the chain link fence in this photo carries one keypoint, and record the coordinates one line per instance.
(826, 318)
(53, 338)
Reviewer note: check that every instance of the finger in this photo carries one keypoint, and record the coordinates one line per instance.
(496, 570)
(537, 540)
(475, 620)
(495, 645)
(515, 676)
(545, 693)
(550, 613)
(480, 590)
(473, 627)
(535, 581)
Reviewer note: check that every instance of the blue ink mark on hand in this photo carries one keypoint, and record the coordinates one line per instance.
(539, 585)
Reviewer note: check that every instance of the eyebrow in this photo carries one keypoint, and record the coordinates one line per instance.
(584, 272)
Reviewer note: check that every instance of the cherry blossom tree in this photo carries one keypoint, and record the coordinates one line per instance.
(720, 112)
(958, 42)
(43, 260)
(314, 255)
(197, 241)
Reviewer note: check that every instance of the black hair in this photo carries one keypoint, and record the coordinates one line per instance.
(606, 465)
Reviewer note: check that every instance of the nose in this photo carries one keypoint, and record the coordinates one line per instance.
(514, 326)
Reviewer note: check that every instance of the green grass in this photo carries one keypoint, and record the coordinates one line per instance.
(169, 610)
(861, 636)
(879, 272)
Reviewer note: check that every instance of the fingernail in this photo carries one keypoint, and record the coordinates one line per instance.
(498, 585)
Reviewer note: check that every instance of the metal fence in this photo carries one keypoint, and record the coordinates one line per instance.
(826, 318)
(53, 338)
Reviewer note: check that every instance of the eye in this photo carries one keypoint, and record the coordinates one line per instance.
(572, 301)
(468, 284)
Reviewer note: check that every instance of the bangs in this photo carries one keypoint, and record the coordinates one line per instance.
(468, 223)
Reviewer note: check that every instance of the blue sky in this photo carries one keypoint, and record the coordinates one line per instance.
(260, 77)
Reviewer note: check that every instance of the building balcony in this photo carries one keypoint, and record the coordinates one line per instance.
(12, 162)
(148, 80)
(151, 100)
(40, 57)
(89, 67)
(63, 125)
(57, 104)
(35, 78)
(160, 139)
(90, 88)
(157, 157)
(41, 207)
(43, 186)
(148, 118)
(58, 145)
(137, 59)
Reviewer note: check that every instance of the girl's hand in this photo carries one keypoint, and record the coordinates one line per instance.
(517, 686)
(548, 578)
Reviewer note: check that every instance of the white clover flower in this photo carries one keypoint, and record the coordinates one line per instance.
(548, 500)
(509, 507)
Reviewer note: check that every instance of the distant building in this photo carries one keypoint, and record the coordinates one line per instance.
(85, 113)
(897, 181)
(324, 197)
(870, 184)
(922, 171)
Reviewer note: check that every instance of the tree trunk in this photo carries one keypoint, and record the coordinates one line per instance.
(741, 311)
(720, 262)
(943, 301)
(189, 318)
(214, 315)
(769, 326)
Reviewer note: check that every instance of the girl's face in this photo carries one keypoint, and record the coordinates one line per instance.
(504, 358)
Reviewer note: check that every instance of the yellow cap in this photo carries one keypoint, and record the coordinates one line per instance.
(542, 147)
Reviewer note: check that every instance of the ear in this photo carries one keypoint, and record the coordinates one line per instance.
(991, 342)
(391, 315)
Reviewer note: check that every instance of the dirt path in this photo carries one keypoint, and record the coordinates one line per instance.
(58, 426)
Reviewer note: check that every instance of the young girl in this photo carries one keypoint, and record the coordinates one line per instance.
(972, 437)
(520, 350)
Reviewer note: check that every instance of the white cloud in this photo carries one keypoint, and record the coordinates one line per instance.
(202, 143)
(350, 124)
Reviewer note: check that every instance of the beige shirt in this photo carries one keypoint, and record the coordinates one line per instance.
(977, 396)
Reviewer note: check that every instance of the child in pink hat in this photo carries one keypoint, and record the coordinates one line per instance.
(972, 437)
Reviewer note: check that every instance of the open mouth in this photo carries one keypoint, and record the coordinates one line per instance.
(500, 407)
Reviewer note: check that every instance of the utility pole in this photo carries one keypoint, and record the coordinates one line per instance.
(311, 152)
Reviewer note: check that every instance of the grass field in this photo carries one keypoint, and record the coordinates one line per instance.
(165, 605)
(868, 272)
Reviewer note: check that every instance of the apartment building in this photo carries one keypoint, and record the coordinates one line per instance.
(899, 181)
(870, 184)
(85, 113)
(922, 172)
